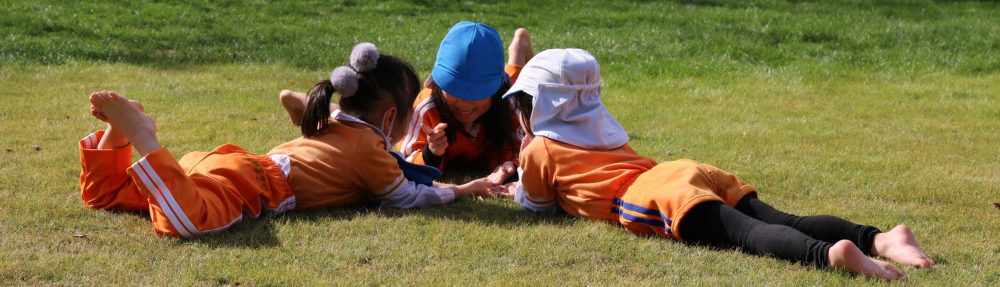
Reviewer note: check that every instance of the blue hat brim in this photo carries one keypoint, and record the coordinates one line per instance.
(463, 89)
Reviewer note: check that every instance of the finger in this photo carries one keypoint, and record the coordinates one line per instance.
(435, 135)
(426, 130)
(440, 127)
(440, 141)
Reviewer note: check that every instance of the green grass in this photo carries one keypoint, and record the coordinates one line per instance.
(881, 114)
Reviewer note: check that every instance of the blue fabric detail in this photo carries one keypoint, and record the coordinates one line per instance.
(667, 221)
(418, 173)
(636, 208)
(621, 206)
(630, 217)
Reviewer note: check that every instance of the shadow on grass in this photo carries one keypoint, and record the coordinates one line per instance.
(495, 213)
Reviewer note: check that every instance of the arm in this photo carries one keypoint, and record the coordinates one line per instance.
(412, 195)
(382, 175)
(409, 194)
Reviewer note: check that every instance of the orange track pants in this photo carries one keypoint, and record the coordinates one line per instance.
(200, 194)
(660, 197)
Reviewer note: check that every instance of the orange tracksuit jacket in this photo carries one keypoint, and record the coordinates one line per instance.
(463, 151)
(618, 185)
(207, 192)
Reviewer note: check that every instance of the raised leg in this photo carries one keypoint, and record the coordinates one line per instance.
(124, 116)
(294, 103)
(104, 158)
(520, 51)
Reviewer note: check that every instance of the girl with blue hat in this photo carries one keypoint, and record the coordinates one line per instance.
(460, 119)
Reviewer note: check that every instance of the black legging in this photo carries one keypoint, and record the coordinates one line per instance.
(758, 228)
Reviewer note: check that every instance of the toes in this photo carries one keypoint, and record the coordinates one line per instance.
(891, 273)
(95, 97)
(925, 263)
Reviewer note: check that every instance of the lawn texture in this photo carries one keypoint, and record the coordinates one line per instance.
(881, 113)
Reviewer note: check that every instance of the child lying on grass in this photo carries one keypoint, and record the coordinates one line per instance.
(578, 162)
(341, 159)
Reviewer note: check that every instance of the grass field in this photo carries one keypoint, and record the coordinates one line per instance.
(882, 114)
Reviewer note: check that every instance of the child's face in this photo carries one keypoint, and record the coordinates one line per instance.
(465, 111)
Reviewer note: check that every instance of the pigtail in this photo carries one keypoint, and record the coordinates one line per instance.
(315, 117)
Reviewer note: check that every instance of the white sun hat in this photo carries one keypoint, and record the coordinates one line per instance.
(566, 104)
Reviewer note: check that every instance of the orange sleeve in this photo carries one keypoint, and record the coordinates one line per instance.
(512, 71)
(424, 113)
(376, 168)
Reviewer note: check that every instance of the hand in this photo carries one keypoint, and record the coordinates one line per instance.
(478, 187)
(504, 190)
(437, 141)
(502, 173)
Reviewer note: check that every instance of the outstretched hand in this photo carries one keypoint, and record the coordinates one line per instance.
(479, 187)
(504, 190)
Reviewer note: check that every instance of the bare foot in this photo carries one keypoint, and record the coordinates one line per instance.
(900, 245)
(128, 119)
(845, 254)
(112, 138)
(520, 50)
(294, 103)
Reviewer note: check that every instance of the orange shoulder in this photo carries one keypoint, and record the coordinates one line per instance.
(424, 95)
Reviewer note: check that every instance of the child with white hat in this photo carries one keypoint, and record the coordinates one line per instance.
(577, 161)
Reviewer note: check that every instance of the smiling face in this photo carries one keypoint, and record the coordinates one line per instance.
(465, 111)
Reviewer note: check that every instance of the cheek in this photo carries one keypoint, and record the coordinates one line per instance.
(484, 105)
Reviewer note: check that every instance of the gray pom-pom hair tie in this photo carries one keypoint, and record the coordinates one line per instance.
(344, 80)
(364, 58)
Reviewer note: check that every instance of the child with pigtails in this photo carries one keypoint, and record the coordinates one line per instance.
(342, 158)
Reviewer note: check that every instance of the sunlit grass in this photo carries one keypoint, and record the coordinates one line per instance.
(883, 115)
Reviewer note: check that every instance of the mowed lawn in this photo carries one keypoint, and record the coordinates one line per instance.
(883, 114)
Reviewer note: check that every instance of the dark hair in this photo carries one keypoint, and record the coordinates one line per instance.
(522, 102)
(392, 79)
(497, 118)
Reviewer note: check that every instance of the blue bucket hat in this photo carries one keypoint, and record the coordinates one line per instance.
(469, 63)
